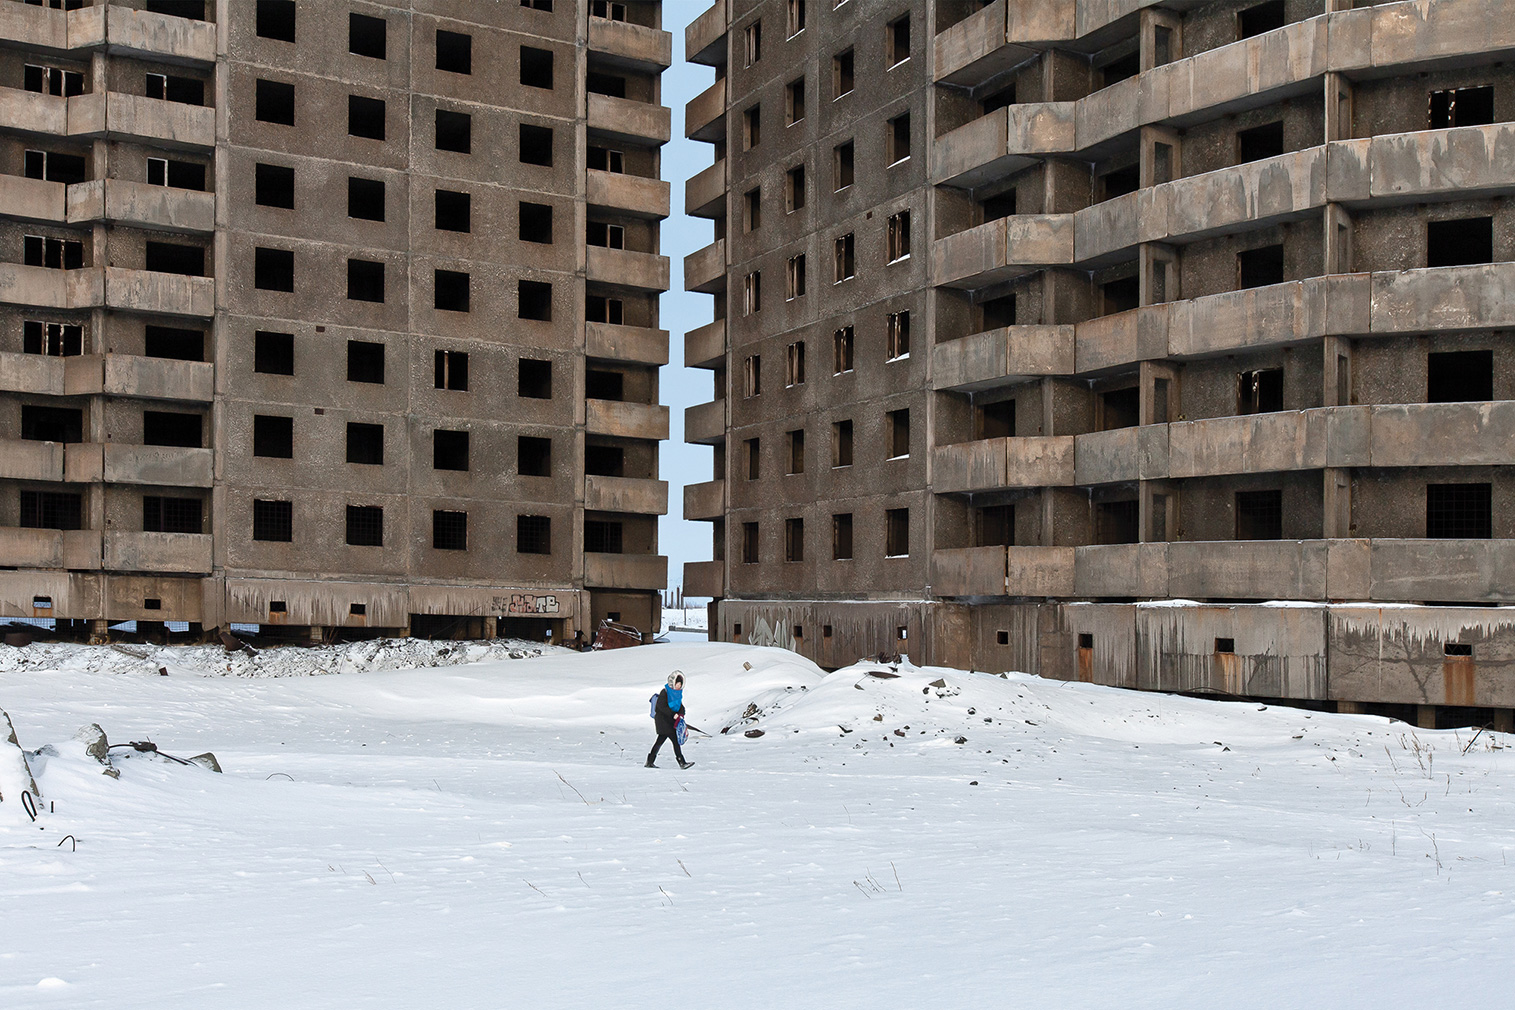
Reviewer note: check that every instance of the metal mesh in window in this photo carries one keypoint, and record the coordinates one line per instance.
(365, 525)
(273, 520)
(1259, 515)
(1459, 511)
(171, 515)
(533, 535)
(449, 530)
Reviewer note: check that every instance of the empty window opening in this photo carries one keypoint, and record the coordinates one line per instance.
(896, 533)
(175, 174)
(535, 223)
(52, 424)
(603, 537)
(57, 81)
(169, 88)
(898, 236)
(366, 36)
(998, 312)
(57, 340)
(365, 444)
(454, 211)
(1115, 522)
(897, 335)
(534, 379)
(365, 117)
(841, 443)
(796, 17)
(51, 510)
(533, 534)
(794, 277)
(1257, 268)
(794, 189)
(603, 384)
(454, 131)
(1462, 107)
(604, 309)
(1119, 182)
(274, 102)
(365, 361)
(841, 540)
(273, 520)
(273, 436)
(1120, 68)
(997, 207)
(536, 67)
(605, 235)
(1260, 392)
(454, 52)
(897, 139)
(449, 450)
(841, 350)
(365, 525)
(1459, 511)
(452, 370)
(533, 456)
(274, 353)
(752, 127)
(604, 159)
(607, 9)
(1459, 376)
(534, 300)
(365, 199)
(754, 456)
(193, 10)
(1121, 295)
(752, 375)
(995, 420)
(365, 281)
(54, 253)
(1264, 17)
(794, 102)
(842, 166)
(898, 41)
(752, 210)
(276, 20)
(994, 525)
(1260, 515)
(1266, 141)
(536, 145)
(171, 515)
(610, 85)
(754, 39)
(749, 551)
(842, 81)
(55, 166)
(161, 427)
(605, 460)
(844, 262)
(797, 450)
(172, 258)
(539, 5)
(794, 364)
(273, 269)
(897, 433)
(1454, 243)
(1003, 98)
(794, 540)
(1119, 408)
(451, 290)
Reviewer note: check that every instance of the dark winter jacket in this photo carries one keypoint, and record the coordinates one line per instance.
(665, 714)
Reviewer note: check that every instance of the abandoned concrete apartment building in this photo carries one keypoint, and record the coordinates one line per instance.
(1065, 335)
(332, 315)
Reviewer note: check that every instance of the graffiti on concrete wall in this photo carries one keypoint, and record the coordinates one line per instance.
(526, 603)
(777, 634)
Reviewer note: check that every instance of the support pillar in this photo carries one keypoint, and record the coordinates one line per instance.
(1351, 708)
(1504, 720)
(1425, 716)
(99, 631)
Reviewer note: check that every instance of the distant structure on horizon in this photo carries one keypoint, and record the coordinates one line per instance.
(1070, 337)
(340, 317)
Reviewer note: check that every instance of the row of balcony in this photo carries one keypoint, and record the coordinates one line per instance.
(1257, 70)
(705, 423)
(114, 550)
(626, 44)
(1471, 571)
(705, 37)
(1391, 302)
(108, 462)
(629, 121)
(705, 269)
(115, 28)
(1385, 435)
(625, 268)
(115, 200)
(112, 115)
(636, 495)
(129, 375)
(644, 345)
(108, 287)
(623, 419)
(631, 195)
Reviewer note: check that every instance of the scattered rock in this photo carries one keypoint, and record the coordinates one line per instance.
(961, 739)
(753, 733)
(974, 782)
(95, 744)
(939, 682)
(879, 717)
(207, 760)
(972, 711)
(899, 732)
(751, 711)
(883, 675)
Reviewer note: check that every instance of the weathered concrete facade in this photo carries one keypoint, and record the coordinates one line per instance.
(1207, 301)
(332, 315)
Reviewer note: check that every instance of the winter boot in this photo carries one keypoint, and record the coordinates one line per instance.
(686, 764)
(649, 761)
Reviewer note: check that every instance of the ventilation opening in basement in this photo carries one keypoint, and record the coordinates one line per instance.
(1455, 243)
(1457, 649)
(1459, 376)
(1225, 645)
(1085, 640)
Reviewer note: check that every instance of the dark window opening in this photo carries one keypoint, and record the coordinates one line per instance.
(273, 436)
(452, 370)
(53, 253)
(454, 131)
(365, 281)
(536, 145)
(53, 80)
(1121, 295)
(171, 515)
(273, 269)
(842, 163)
(797, 451)
(794, 189)
(1260, 515)
(57, 340)
(1459, 376)
(536, 68)
(604, 159)
(273, 520)
(752, 127)
(534, 534)
(449, 530)
(1266, 141)
(1003, 98)
(161, 427)
(1260, 392)
(600, 384)
(605, 460)
(998, 312)
(1457, 649)
(536, 223)
(1120, 408)
(54, 166)
(454, 52)
(52, 510)
(365, 199)
(533, 456)
(451, 293)
(365, 444)
(794, 540)
(1121, 68)
(274, 353)
(754, 458)
(1462, 107)
(274, 102)
(169, 88)
(175, 174)
(366, 36)
(604, 309)
(449, 450)
(897, 433)
(534, 300)
(842, 79)
(365, 117)
(841, 537)
(1001, 206)
(1115, 522)
(841, 443)
(749, 550)
(899, 41)
(1121, 181)
(172, 258)
(193, 10)
(1454, 243)
(995, 420)
(603, 537)
(605, 235)
(994, 526)
(896, 533)
(173, 342)
(610, 85)
(1264, 17)
(454, 211)
(1257, 268)
(1459, 511)
(365, 361)
(794, 101)
(276, 20)
(538, 5)
(365, 525)
(534, 380)
(52, 424)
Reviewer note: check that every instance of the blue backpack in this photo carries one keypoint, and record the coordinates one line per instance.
(652, 704)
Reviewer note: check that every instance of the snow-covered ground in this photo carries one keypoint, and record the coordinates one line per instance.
(486, 836)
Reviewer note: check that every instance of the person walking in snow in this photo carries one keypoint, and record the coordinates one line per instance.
(669, 711)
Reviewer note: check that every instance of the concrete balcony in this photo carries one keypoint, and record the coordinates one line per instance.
(633, 46)
(1002, 356)
(1443, 298)
(630, 195)
(135, 117)
(30, 112)
(625, 494)
(1433, 434)
(1248, 569)
(41, 287)
(705, 37)
(24, 459)
(141, 205)
(1121, 570)
(705, 423)
(159, 293)
(1121, 338)
(625, 571)
(623, 268)
(1336, 304)
(626, 420)
(1039, 571)
(990, 42)
(22, 547)
(1472, 571)
(1121, 454)
(29, 26)
(157, 552)
(705, 347)
(133, 375)
(630, 122)
(1267, 443)
(1002, 250)
(33, 199)
(705, 192)
(705, 114)
(142, 34)
(32, 373)
(969, 571)
(705, 269)
(123, 463)
(705, 578)
(1003, 142)
(1001, 463)
(642, 344)
(705, 501)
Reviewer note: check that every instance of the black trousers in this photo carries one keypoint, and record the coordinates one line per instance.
(677, 753)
